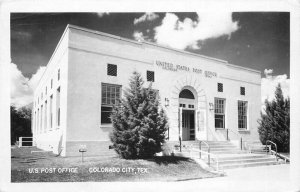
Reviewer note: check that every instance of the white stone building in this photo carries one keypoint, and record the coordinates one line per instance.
(202, 96)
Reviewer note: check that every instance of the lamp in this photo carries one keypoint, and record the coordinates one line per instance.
(211, 106)
(166, 102)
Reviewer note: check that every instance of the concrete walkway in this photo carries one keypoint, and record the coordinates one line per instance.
(265, 178)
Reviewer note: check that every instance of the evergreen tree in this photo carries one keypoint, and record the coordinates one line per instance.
(20, 123)
(274, 124)
(139, 125)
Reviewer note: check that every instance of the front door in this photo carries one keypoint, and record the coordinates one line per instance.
(188, 125)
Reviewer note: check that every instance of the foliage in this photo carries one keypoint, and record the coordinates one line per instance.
(274, 124)
(20, 122)
(139, 125)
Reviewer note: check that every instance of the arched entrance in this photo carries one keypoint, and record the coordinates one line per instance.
(188, 105)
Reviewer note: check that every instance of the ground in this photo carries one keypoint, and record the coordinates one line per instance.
(46, 167)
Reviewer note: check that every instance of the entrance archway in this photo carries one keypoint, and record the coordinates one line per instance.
(188, 104)
(193, 84)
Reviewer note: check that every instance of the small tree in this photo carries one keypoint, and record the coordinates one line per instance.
(274, 124)
(138, 125)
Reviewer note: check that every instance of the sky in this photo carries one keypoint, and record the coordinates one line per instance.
(257, 40)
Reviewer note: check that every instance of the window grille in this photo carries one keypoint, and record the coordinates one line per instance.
(112, 70)
(220, 87)
(150, 76)
(242, 91)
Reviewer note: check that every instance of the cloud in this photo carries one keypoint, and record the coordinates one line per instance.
(139, 36)
(145, 17)
(177, 34)
(269, 84)
(21, 35)
(268, 72)
(101, 14)
(35, 78)
(22, 87)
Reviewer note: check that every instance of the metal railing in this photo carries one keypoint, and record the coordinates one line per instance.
(270, 148)
(241, 138)
(208, 150)
(210, 156)
(21, 141)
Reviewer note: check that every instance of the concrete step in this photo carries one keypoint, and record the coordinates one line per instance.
(224, 157)
(251, 164)
(243, 161)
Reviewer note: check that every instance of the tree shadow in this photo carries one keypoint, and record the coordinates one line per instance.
(165, 160)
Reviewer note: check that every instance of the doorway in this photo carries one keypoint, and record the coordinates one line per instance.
(188, 125)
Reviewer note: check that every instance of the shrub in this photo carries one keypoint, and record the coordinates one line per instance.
(274, 124)
(139, 125)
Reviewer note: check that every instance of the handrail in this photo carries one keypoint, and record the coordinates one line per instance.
(208, 150)
(210, 155)
(241, 138)
(268, 141)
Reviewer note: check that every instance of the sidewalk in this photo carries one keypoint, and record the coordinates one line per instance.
(265, 178)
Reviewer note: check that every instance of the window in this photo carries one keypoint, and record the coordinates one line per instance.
(58, 74)
(112, 70)
(242, 114)
(242, 90)
(51, 112)
(41, 120)
(182, 105)
(191, 106)
(45, 119)
(186, 94)
(110, 95)
(58, 107)
(220, 87)
(219, 113)
(38, 122)
(150, 76)
(35, 122)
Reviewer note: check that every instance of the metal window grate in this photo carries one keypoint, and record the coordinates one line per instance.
(220, 87)
(112, 70)
(242, 90)
(150, 76)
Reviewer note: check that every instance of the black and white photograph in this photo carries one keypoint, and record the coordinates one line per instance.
(193, 100)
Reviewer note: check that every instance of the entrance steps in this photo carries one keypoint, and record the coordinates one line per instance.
(226, 155)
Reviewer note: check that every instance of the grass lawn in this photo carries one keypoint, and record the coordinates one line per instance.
(46, 167)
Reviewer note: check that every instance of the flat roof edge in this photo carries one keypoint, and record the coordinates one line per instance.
(143, 42)
(161, 46)
(244, 68)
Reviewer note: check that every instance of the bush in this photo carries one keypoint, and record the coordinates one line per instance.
(274, 124)
(138, 125)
